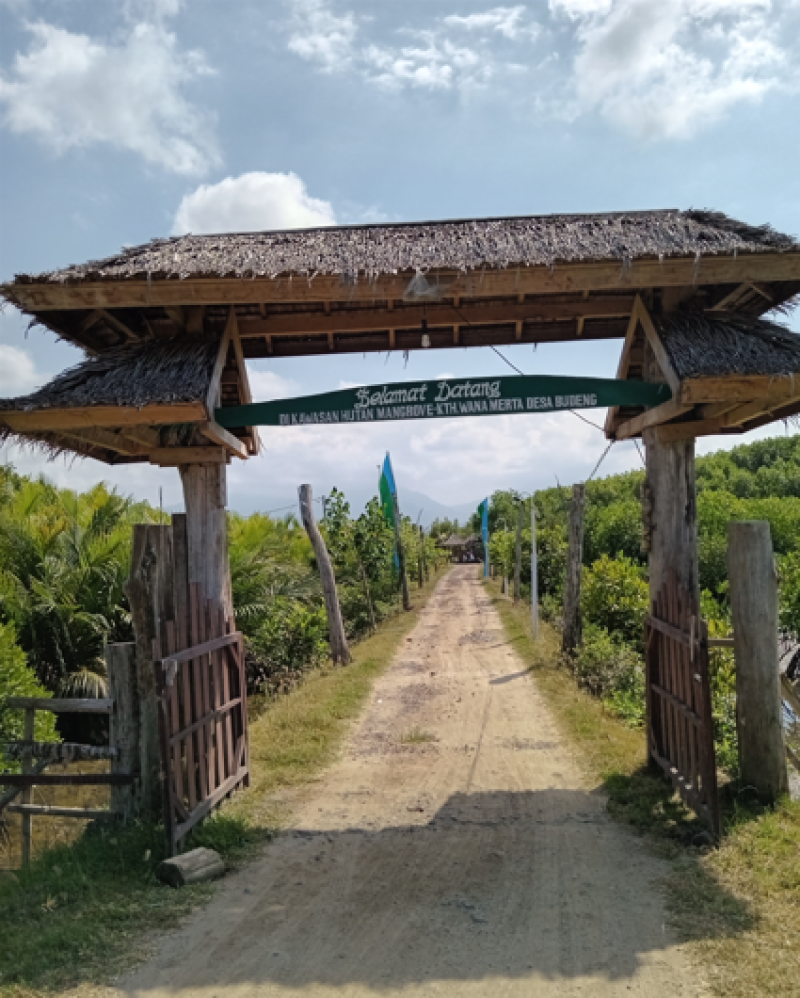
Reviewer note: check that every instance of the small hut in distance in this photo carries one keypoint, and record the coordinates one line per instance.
(462, 549)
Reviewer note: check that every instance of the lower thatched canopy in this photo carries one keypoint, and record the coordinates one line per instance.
(128, 404)
(728, 372)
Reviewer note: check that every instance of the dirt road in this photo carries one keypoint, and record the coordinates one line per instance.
(477, 864)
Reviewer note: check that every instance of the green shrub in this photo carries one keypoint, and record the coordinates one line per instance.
(17, 679)
(613, 671)
(615, 596)
(290, 640)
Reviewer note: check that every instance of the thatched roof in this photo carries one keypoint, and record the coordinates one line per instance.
(161, 372)
(470, 244)
(709, 344)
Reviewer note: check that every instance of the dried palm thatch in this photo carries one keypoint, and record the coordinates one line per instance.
(134, 376)
(373, 250)
(163, 372)
(708, 344)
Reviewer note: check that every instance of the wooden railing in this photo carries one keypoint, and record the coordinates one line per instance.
(35, 757)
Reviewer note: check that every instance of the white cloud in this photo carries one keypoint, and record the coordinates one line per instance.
(18, 374)
(251, 203)
(267, 385)
(319, 35)
(667, 70)
(504, 20)
(436, 61)
(73, 91)
(580, 8)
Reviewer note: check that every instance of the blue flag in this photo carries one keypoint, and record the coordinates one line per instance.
(388, 495)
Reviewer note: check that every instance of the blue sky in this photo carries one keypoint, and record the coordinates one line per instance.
(121, 120)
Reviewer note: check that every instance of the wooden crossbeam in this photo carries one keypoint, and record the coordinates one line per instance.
(219, 435)
(739, 388)
(103, 415)
(439, 314)
(61, 706)
(651, 417)
(171, 457)
(99, 437)
(670, 272)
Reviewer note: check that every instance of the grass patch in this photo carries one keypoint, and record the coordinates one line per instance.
(85, 912)
(737, 905)
(416, 736)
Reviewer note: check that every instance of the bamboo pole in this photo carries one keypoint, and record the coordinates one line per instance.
(338, 641)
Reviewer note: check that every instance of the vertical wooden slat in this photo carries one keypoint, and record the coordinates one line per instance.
(174, 727)
(198, 682)
(168, 796)
(26, 796)
(224, 661)
(216, 679)
(180, 555)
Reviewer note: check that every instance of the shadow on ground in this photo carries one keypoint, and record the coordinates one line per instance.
(529, 886)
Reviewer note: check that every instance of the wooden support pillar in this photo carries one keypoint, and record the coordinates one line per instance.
(338, 641)
(670, 516)
(205, 498)
(754, 606)
(573, 630)
(123, 734)
(150, 593)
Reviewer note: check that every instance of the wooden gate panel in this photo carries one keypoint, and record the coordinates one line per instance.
(199, 662)
(680, 730)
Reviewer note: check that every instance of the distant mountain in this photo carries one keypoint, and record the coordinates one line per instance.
(411, 503)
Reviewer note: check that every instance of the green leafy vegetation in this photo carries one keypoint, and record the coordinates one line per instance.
(758, 481)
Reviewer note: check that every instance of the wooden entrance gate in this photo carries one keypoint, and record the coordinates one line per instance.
(680, 730)
(202, 699)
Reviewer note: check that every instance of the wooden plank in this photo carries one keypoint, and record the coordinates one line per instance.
(100, 437)
(622, 366)
(170, 457)
(673, 432)
(213, 397)
(103, 415)
(739, 388)
(436, 315)
(168, 799)
(199, 691)
(675, 633)
(209, 803)
(677, 704)
(60, 706)
(59, 752)
(123, 727)
(27, 797)
(720, 643)
(657, 347)
(202, 649)
(64, 779)
(212, 715)
(85, 813)
(790, 695)
(652, 417)
(219, 435)
(608, 275)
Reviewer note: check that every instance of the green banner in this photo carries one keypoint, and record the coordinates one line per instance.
(445, 398)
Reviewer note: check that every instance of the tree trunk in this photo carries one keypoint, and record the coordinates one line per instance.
(150, 593)
(205, 498)
(573, 631)
(518, 552)
(754, 607)
(339, 650)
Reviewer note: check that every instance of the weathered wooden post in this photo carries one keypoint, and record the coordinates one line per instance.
(572, 635)
(338, 641)
(754, 606)
(205, 497)
(123, 733)
(150, 592)
(670, 507)
(518, 551)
